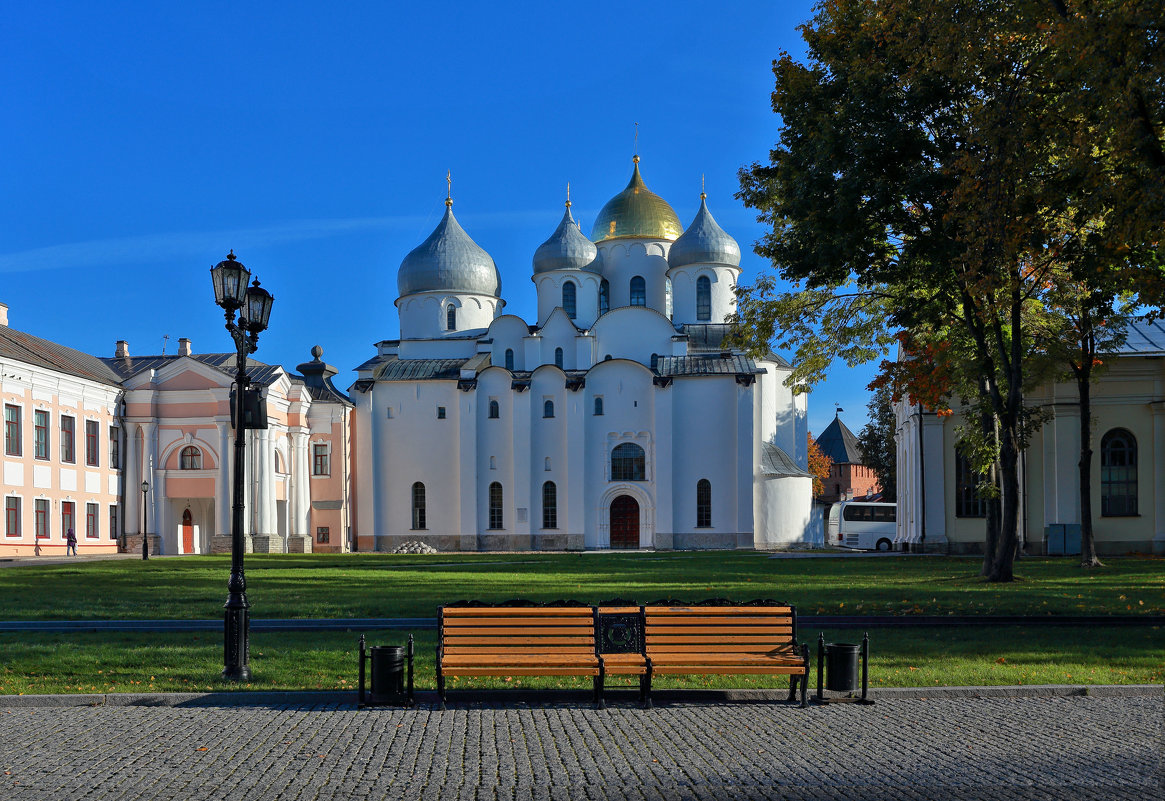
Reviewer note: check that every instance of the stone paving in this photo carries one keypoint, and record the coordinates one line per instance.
(919, 749)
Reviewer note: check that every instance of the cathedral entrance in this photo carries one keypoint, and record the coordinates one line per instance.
(624, 522)
(187, 532)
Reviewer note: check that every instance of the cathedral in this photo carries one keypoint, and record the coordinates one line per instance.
(619, 418)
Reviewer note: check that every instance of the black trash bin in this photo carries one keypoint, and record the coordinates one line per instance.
(392, 674)
(841, 667)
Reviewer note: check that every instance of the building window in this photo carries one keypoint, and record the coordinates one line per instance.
(638, 291)
(40, 434)
(510, 359)
(115, 447)
(598, 407)
(548, 409)
(41, 518)
(440, 412)
(12, 430)
(1118, 474)
(703, 503)
(323, 534)
(494, 411)
(419, 506)
(569, 298)
(68, 454)
(68, 521)
(319, 461)
(190, 458)
(558, 358)
(91, 443)
(495, 506)
(91, 531)
(114, 522)
(703, 298)
(627, 463)
(967, 500)
(604, 297)
(451, 318)
(549, 505)
(11, 517)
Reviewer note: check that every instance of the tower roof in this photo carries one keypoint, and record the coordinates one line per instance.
(566, 249)
(839, 443)
(449, 261)
(704, 242)
(637, 212)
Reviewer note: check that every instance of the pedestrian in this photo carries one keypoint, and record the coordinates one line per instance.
(70, 543)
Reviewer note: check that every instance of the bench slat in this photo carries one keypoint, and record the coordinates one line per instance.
(548, 642)
(720, 620)
(680, 611)
(728, 669)
(513, 620)
(681, 646)
(519, 611)
(765, 631)
(500, 652)
(521, 671)
(501, 632)
(580, 658)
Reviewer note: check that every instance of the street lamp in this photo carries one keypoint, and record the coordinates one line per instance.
(253, 304)
(145, 539)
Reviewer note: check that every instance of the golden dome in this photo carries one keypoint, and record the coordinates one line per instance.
(637, 212)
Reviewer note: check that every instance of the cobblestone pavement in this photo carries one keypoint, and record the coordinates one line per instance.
(949, 749)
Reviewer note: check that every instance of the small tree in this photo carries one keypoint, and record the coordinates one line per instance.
(820, 466)
(878, 444)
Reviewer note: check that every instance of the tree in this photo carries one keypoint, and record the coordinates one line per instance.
(879, 444)
(820, 466)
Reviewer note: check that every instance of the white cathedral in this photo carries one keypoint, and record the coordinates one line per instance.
(619, 419)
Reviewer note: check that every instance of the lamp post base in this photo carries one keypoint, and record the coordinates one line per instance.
(235, 645)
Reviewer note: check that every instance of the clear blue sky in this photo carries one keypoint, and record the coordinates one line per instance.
(142, 141)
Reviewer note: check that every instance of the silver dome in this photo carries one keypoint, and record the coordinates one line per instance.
(566, 249)
(449, 261)
(704, 242)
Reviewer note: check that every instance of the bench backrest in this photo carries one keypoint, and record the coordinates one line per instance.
(483, 630)
(722, 629)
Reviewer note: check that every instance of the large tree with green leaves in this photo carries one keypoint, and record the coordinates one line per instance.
(933, 156)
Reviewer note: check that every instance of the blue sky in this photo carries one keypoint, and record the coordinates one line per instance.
(142, 141)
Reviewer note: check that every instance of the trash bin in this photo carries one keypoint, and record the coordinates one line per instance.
(841, 667)
(392, 674)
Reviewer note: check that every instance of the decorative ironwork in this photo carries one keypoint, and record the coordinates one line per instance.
(620, 633)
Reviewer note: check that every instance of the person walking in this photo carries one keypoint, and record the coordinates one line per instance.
(70, 543)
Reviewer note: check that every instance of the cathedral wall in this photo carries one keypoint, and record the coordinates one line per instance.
(705, 446)
(586, 295)
(627, 258)
(632, 333)
(722, 280)
(424, 314)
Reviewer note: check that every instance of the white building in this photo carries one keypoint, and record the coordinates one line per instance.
(616, 419)
(938, 509)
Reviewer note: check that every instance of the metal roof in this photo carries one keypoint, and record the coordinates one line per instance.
(1144, 339)
(720, 364)
(33, 350)
(839, 443)
(395, 369)
(258, 372)
(775, 462)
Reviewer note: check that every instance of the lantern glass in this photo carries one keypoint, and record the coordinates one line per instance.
(259, 303)
(230, 279)
(145, 486)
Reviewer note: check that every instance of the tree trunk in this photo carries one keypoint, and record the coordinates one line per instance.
(1088, 556)
(990, 434)
(1009, 520)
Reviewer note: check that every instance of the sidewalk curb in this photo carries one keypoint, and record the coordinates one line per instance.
(341, 698)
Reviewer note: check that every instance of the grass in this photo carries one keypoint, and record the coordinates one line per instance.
(376, 585)
(101, 663)
(381, 585)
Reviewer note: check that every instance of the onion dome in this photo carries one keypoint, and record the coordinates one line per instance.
(566, 249)
(636, 212)
(449, 261)
(704, 242)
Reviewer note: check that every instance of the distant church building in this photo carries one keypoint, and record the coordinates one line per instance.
(617, 419)
(849, 477)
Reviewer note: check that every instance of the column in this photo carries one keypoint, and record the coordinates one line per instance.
(150, 524)
(1159, 477)
(132, 483)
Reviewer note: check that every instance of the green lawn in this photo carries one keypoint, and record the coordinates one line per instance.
(375, 585)
(371, 585)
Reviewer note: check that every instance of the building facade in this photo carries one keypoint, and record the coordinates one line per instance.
(938, 509)
(619, 418)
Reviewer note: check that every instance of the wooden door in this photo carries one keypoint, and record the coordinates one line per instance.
(187, 532)
(625, 522)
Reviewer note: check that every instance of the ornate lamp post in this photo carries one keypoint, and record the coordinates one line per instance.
(145, 539)
(253, 304)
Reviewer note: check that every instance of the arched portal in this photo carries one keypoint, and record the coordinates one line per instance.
(624, 522)
(187, 532)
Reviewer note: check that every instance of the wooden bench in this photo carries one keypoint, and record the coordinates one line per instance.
(517, 639)
(753, 638)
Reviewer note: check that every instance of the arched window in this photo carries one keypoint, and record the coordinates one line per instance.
(280, 465)
(638, 291)
(604, 297)
(548, 409)
(418, 505)
(558, 358)
(598, 406)
(510, 359)
(451, 318)
(627, 463)
(493, 410)
(569, 296)
(495, 505)
(1118, 474)
(703, 298)
(191, 458)
(549, 505)
(703, 503)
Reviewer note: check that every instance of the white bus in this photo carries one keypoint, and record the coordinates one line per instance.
(862, 525)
